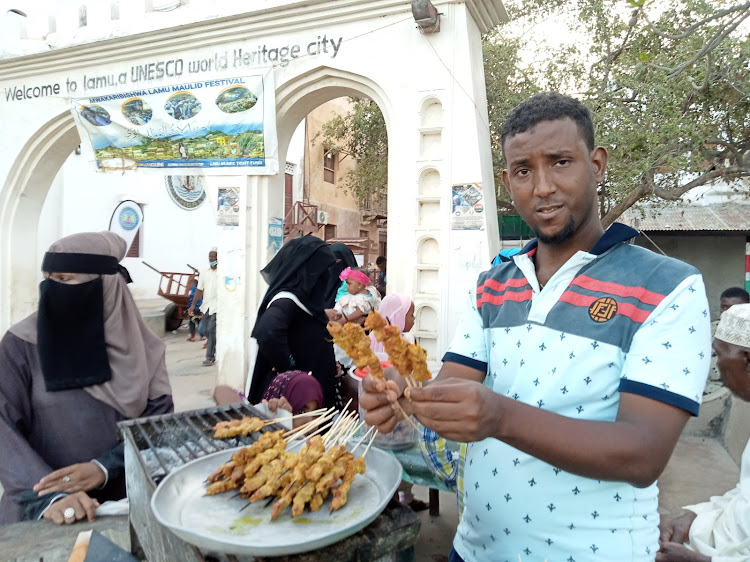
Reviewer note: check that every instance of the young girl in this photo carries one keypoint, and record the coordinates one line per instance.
(361, 299)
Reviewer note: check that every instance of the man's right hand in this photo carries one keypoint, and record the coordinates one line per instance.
(379, 398)
(191, 311)
(677, 530)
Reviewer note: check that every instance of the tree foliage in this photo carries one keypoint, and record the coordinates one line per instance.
(361, 134)
(667, 82)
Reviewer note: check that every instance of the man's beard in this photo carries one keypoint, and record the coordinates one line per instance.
(561, 237)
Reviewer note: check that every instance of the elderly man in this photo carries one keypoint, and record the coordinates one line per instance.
(719, 529)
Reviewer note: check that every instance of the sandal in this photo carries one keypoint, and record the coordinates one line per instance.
(205, 345)
(191, 338)
(209, 362)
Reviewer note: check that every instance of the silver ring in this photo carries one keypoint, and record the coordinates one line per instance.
(69, 513)
(66, 478)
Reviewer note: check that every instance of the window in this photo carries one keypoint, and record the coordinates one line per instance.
(135, 248)
(330, 231)
(329, 167)
(364, 233)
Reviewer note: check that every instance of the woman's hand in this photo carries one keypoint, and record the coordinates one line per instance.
(276, 403)
(334, 315)
(80, 502)
(80, 477)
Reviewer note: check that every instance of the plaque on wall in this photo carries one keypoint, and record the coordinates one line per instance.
(186, 191)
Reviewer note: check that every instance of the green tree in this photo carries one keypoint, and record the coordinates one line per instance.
(667, 82)
(360, 134)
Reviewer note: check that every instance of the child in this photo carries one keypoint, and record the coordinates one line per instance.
(194, 320)
(362, 298)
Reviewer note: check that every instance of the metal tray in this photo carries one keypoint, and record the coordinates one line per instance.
(216, 522)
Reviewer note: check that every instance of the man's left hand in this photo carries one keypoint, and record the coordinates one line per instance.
(80, 477)
(675, 552)
(457, 409)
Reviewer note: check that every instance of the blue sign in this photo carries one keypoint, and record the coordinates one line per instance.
(128, 218)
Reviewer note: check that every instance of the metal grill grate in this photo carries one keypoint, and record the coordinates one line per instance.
(171, 440)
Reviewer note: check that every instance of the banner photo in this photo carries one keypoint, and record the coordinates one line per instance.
(467, 207)
(216, 126)
(126, 220)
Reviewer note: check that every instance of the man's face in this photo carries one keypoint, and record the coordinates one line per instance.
(212, 258)
(381, 266)
(728, 302)
(733, 362)
(552, 178)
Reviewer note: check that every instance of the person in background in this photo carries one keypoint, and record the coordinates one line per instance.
(573, 371)
(194, 321)
(718, 530)
(297, 392)
(505, 255)
(361, 298)
(728, 298)
(344, 255)
(291, 323)
(68, 373)
(208, 294)
(382, 264)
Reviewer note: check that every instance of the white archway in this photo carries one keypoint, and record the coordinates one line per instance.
(21, 201)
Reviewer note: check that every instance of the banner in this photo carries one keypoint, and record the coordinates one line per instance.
(126, 220)
(223, 125)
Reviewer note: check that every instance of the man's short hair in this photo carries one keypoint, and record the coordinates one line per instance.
(380, 261)
(548, 106)
(736, 293)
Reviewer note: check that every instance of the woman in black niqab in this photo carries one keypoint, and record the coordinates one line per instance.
(291, 323)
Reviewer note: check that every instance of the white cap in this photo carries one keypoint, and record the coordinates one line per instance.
(734, 326)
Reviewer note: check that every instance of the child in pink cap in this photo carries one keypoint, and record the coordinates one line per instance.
(361, 299)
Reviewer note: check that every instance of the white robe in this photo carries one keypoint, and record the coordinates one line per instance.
(722, 528)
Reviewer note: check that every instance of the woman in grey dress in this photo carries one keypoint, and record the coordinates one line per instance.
(68, 373)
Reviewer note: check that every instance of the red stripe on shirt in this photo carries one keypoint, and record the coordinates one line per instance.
(499, 287)
(519, 296)
(625, 309)
(640, 293)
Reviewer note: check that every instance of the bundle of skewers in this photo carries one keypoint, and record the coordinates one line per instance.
(409, 359)
(270, 469)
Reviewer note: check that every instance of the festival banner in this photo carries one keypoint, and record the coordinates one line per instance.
(212, 126)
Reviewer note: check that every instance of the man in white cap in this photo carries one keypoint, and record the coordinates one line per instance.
(719, 530)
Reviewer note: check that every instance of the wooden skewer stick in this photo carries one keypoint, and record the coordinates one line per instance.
(406, 417)
(346, 435)
(372, 439)
(308, 426)
(303, 415)
(344, 422)
(373, 428)
(293, 445)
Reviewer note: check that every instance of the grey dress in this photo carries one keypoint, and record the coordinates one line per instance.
(42, 431)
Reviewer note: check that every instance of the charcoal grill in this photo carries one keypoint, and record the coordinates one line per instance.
(158, 445)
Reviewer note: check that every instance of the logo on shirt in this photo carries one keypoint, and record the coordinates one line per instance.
(603, 309)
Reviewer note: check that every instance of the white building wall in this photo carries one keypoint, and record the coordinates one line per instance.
(82, 200)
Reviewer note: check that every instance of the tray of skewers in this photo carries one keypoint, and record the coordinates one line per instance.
(289, 492)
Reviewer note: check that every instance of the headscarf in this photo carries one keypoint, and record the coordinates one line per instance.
(393, 308)
(134, 353)
(298, 387)
(306, 268)
(344, 253)
(355, 275)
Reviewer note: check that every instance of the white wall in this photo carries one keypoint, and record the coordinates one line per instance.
(82, 199)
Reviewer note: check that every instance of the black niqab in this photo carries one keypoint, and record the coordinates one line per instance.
(307, 268)
(344, 253)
